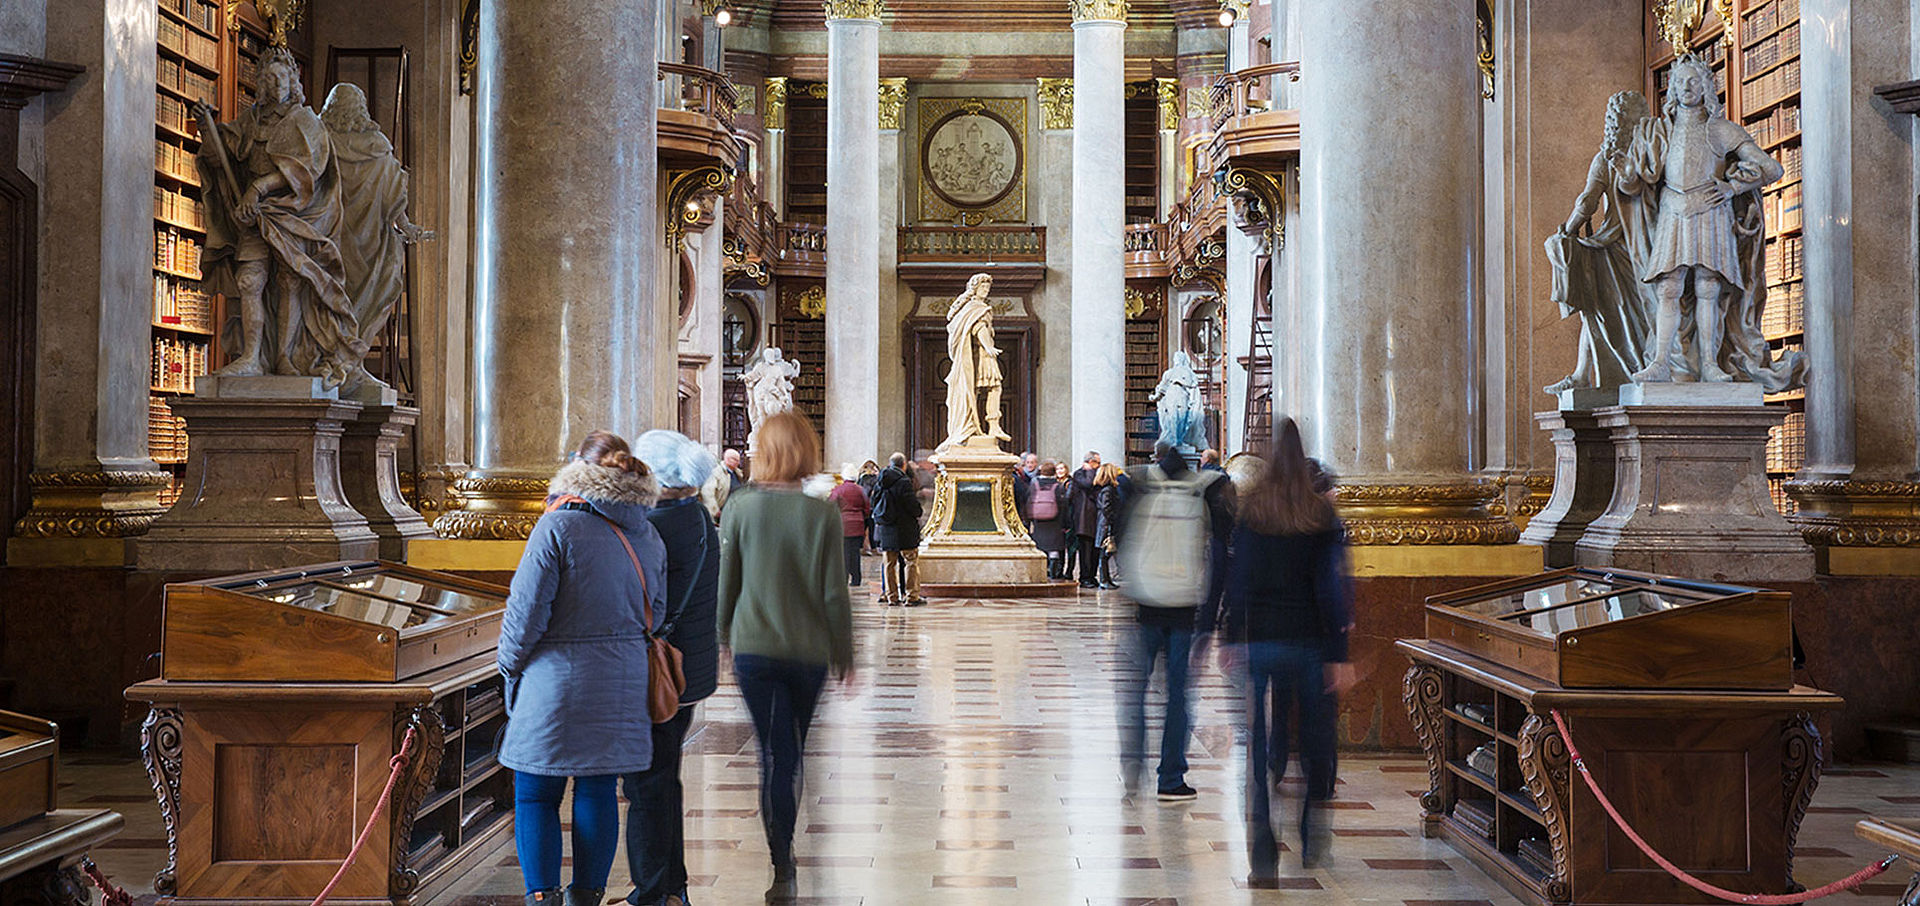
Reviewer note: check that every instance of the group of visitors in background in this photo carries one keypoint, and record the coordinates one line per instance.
(626, 554)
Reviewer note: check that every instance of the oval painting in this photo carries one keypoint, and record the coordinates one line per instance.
(971, 159)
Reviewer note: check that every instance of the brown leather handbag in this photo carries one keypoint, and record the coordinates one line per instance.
(665, 678)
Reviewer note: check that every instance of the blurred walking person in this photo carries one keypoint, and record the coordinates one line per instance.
(1289, 610)
(785, 614)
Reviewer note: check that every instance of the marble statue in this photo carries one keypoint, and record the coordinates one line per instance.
(302, 222)
(374, 228)
(1596, 263)
(1706, 262)
(976, 367)
(1183, 415)
(769, 387)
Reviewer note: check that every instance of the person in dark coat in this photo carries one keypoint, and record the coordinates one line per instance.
(1049, 533)
(1110, 501)
(1288, 613)
(1023, 476)
(656, 830)
(896, 531)
(869, 476)
(573, 648)
(1083, 519)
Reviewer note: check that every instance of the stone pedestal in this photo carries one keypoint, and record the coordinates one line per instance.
(1582, 483)
(370, 476)
(1690, 494)
(262, 487)
(974, 543)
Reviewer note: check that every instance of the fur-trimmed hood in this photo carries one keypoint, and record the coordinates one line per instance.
(607, 488)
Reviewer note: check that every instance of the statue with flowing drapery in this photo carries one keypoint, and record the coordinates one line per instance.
(975, 368)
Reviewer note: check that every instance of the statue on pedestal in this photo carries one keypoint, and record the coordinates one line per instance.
(1596, 263)
(976, 367)
(769, 387)
(1182, 412)
(1705, 174)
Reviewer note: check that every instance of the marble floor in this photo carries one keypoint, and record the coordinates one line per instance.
(973, 758)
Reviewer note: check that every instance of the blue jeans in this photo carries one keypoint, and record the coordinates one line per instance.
(780, 697)
(536, 829)
(656, 830)
(1150, 642)
(1281, 676)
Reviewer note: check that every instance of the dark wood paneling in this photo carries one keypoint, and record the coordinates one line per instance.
(927, 364)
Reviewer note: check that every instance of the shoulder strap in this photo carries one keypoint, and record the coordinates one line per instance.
(574, 502)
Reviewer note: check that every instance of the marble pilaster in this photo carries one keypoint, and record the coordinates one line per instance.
(1098, 326)
(1393, 252)
(564, 310)
(853, 225)
(1859, 502)
(895, 305)
(1582, 483)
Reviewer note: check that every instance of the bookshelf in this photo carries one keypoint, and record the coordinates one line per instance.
(1143, 153)
(803, 340)
(1756, 58)
(806, 152)
(1146, 359)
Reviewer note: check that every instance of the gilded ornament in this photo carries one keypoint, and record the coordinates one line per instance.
(494, 508)
(92, 504)
(855, 9)
(1136, 303)
(1056, 103)
(684, 190)
(811, 302)
(1169, 90)
(1484, 19)
(469, 43)
(893, 102)
(1099, 10)
(283, 16)
(1676, 20)
(742, 99)
(973, 159)
(1200, 102)
(776, 90)
(1424, 514)
(1849, 513)
(1265, 190)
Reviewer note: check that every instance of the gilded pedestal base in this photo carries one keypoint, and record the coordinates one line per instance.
(1860, 528)
(83, 516)
(494, 507)
(1582, 482)
(370, 475)
(974, 536)
(1456, 513)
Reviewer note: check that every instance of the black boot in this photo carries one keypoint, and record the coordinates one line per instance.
(585, 896)
(550, 897)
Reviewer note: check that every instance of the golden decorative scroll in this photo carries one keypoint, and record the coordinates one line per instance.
(92, 504)
(812, 302)
(283, 16)
(684, 190)
(1857, 513)
(893, 102)
(1266, 188)
(1483, 15)
(494, 508)
(1169, 103)
(1056, 103)
(776, 89)
(1424, 514)
(1136, 303)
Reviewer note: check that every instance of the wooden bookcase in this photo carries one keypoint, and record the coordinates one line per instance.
(806, 152)
(1758, 66)
(1143, 152)
(804, 340)
(1146, 357)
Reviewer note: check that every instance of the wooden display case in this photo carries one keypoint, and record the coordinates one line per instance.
(29, 767)
(1582, 627)
(264, 780)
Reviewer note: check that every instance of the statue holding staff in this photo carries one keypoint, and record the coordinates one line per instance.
(976, 367)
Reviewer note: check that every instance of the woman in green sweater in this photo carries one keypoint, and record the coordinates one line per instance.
(785, 614)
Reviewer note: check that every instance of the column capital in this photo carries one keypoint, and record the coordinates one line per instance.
(1098, 11)
(893, 102)
(1056, 103)
(855, 9)
(776, 102)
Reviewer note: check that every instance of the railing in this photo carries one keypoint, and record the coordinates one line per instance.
(804, 239)
(697, 90)
(1255, 89)
(973, 243)
(1145, 239)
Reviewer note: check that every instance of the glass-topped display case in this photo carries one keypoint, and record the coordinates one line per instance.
(366, 621)
(1584, 627)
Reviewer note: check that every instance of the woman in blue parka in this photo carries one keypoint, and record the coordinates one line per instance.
(573, 647)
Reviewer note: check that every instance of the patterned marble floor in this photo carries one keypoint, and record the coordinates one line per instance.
(973, 759)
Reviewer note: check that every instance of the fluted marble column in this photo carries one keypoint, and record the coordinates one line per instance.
(1390, 176)
(1099, 323)
(568, 247)
(853, 230)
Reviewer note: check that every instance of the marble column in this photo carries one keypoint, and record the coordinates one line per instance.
(1390, 265)
(1099, 323)
(567, 250)
(94, 482)
(853, 230)
(1859, 502)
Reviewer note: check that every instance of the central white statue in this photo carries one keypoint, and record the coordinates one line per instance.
(976, 367)
(769, 388)
(1177, 400)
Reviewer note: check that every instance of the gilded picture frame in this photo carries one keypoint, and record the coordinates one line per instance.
(973, 160)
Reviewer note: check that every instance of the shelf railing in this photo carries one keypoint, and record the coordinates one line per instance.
(989, 242)
(1251, 91)
(698, 90)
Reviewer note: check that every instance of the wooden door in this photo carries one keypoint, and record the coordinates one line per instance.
(927, 365)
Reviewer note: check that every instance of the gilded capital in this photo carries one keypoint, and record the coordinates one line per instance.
(893, 101)
(776, 108)
(1169, 90)
(855, 9)
(1099, 10)
(1056, 103)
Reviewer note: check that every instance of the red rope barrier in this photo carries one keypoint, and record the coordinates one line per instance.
(1751, 899)
(111, 894)
(399, 765)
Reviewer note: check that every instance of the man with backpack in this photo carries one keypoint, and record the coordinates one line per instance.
(1171, 571)
(896, 531)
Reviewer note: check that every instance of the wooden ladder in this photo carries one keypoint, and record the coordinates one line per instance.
(1258, 434)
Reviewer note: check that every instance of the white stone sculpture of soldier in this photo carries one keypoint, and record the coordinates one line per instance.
(1596, 262)
(769, 387)
(1177, 401)
(976, 366)
(1709, 238)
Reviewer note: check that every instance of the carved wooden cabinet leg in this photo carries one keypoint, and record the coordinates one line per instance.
(1423, 690)
(1800, 766)
(1545, 766)
(160, 747)
(429, 748)
(52, 884)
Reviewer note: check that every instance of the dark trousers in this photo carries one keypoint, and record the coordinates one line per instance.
(853, 546)
(656, 832)
(1089, 555)
(1284, 675)
(1149, 643)
(536, 829)
(780, 697)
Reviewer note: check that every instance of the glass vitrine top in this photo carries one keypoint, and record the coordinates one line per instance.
(367, 592)
(1560, 602)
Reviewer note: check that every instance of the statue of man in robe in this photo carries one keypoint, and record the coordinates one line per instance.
(374, 228)
(1709, 239)
(769, 387)
(1177, 401)
(273, 210)
(976, 367)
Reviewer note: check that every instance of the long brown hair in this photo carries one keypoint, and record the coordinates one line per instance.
(787, 450)
(1284, 502)
(606, 448)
